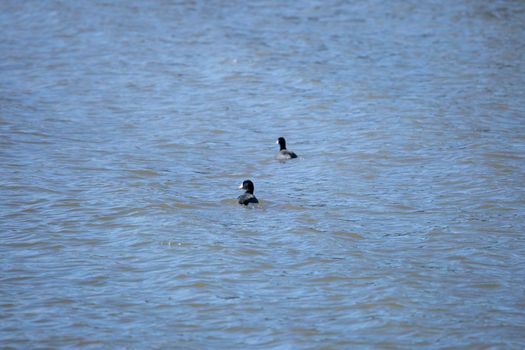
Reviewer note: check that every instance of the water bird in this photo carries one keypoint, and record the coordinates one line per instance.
(284, 154)
(248, 196)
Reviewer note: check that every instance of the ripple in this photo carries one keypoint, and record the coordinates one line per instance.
(143, 172)
(125, 129)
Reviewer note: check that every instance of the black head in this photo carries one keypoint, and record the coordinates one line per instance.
(247, 185)
(282, 142)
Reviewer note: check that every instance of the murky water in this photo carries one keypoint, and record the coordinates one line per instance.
(126, 127)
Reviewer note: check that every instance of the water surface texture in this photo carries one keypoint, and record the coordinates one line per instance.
(127, 126)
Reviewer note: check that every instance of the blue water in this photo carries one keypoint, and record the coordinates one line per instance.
(126, 128)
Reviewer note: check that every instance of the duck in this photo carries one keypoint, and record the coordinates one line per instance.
(248, 196)
(284, 154)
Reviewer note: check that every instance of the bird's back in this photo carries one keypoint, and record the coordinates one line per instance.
(247, 198)
(285, 154)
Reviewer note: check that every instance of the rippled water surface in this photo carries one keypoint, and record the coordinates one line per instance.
(126, 128)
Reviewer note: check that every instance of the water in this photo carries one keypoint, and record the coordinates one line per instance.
(126, 127)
